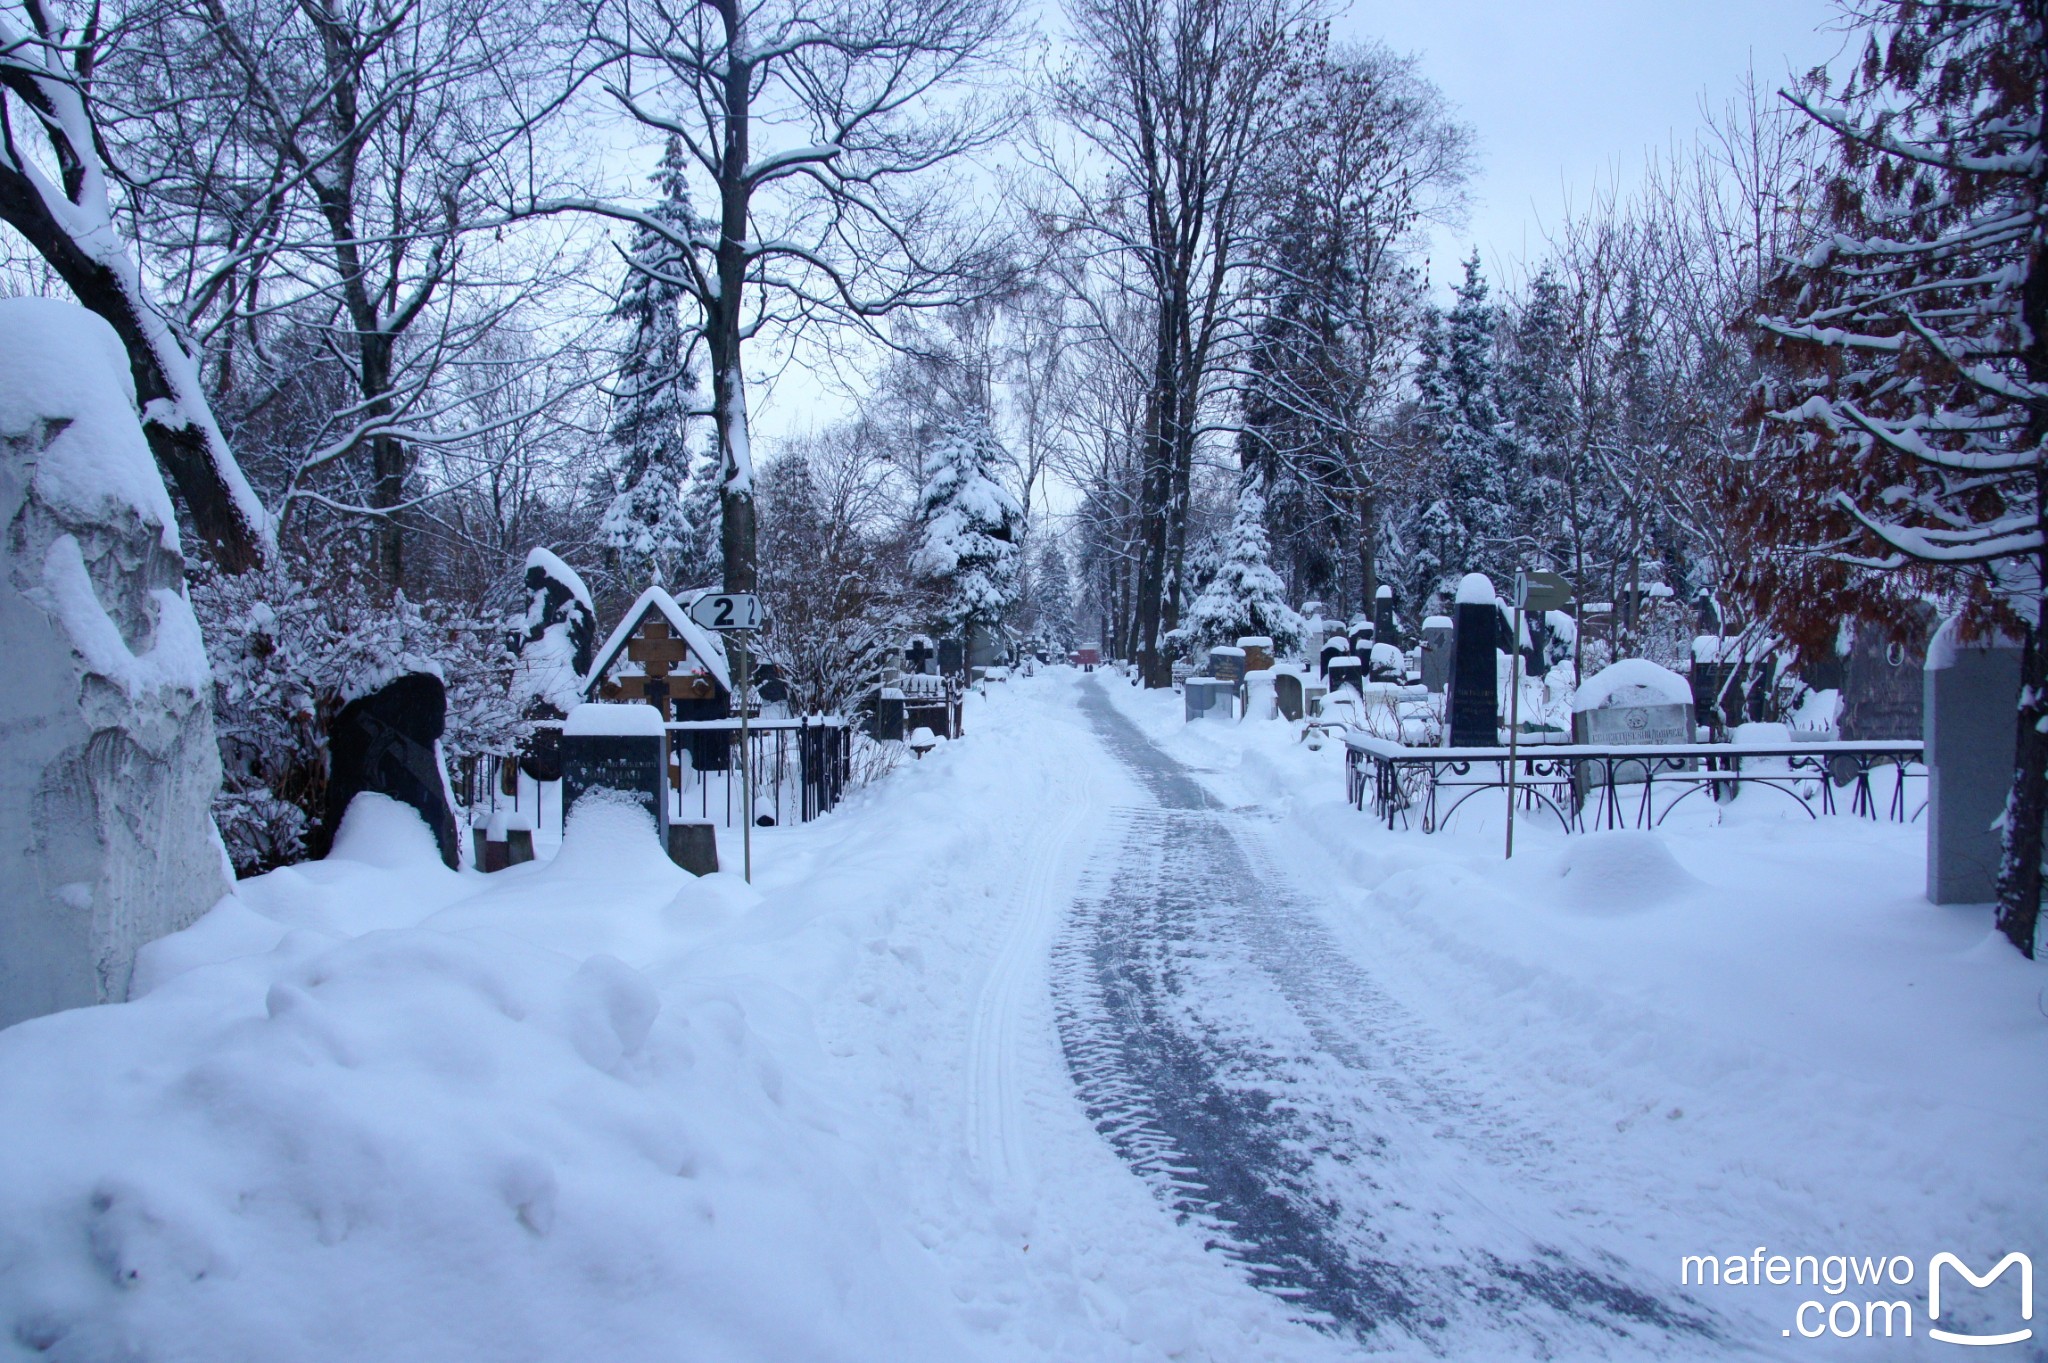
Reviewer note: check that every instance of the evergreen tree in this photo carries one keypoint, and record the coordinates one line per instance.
(1246, 595)
(1537, 400)
(1053, 597)
(647, 532)
(1455, 379)
(968, 543)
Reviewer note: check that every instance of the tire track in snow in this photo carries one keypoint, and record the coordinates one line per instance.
(1282, 1104)
(996, 1034)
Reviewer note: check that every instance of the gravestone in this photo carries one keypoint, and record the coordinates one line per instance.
(1385, 663)
(952, 657)
(388, 742)
(1287, 694)
(1472, 699)
(554, 647)
(920, 657)
(1883, 689)
(1384, 630)
(1209, 698)
(109, 762)
(1258, 652)
(1632, 703)
(621, 748)
(1728, 689)
(889, 709)
(1226, 663)
(1313, 693)
(1971, 694)
(1345, 670)
(1436, 654)
(1336, 647)
(693, 845)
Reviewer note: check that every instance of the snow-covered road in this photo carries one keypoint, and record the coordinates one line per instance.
(1285, 1106)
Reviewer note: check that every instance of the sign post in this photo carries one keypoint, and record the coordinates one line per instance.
(1534, 591)
(738, 613)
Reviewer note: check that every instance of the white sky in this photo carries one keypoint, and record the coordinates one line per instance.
(1567, 94)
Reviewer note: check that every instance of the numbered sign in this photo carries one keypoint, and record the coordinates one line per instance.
(1542, 591)
(728, 610)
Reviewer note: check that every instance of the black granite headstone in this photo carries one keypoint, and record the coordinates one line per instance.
(384, 742)
(1383, 627)
(634, 765)
(1882, 690)
(952, 657)
(1336, 648)
(888, 716)
(1347, 670)
(1472, 699)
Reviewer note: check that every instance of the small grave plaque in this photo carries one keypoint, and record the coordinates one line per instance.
(1226, 663)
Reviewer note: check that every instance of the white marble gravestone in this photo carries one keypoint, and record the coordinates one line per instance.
(1633, 702)
(108, 766)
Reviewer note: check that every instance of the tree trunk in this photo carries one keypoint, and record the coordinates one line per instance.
(2019, 875)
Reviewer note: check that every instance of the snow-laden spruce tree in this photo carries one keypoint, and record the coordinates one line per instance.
(1461, 416)
(1246, 596)
(646, 530)
(1903, 433)
(967, 544)
(1052, 592)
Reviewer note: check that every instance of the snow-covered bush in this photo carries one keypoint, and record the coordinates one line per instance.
(1246, 596)
(287, 656)
(970, 523)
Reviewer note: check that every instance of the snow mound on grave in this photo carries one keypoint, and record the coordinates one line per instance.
(610, 833)
(1620, 871)
(389, 834)
(1633, 681)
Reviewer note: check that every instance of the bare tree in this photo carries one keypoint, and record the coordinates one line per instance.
(1178, 98)
(821, 136)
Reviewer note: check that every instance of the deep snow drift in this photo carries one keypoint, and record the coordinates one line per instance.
(372, 1108)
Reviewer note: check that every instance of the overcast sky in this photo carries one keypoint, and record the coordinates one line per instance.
(1567, 93)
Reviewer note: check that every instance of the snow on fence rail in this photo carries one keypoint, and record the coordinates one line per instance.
(1582, 783)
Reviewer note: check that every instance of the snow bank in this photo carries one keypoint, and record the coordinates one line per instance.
(1620, 871)
(372, 1108)
(1632, 681)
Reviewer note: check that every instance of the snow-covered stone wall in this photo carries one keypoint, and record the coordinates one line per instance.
(108, 765)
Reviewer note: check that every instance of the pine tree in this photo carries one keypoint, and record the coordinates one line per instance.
(647, 529)
(968, 543)
(1456, 385)
(1903, 440)
(1537, 400)
(1246, 596)
(1053, 595)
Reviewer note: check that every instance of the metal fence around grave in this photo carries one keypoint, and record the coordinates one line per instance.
(1590, 786)
(800, 768)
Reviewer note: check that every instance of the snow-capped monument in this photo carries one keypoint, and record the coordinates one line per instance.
(108, 766)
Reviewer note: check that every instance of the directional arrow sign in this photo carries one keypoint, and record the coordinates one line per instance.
(728, 610)
(1542, 591)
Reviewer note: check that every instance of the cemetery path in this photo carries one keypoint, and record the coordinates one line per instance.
(1282, 1103)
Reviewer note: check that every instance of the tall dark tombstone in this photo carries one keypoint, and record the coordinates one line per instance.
(1384, 630)
(555, 651)
(1472, 699)
(1347, 670)
(1336, 648)
(385, 743)
(620, 752)
(889, 709)
(952, 657)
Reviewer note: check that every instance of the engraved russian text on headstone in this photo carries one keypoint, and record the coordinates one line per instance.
(1883, 691)
(1632, 703)
(1226, 663)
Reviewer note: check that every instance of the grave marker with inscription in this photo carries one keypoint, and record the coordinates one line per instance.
(621, 748)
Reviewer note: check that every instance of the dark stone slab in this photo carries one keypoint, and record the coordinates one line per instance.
(631, 764)
(1472, 702)
(694, 847)
(384, 743)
